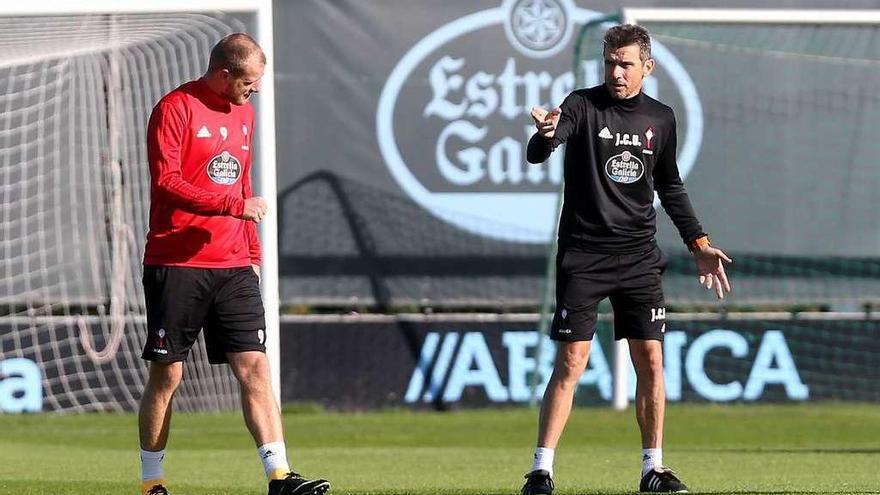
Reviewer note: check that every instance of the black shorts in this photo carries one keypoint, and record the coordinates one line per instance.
(226, 302)
(631, 281)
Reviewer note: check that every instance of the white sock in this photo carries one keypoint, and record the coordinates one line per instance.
(543, 460)
(274, 457)
(151, 465)
(651, 458)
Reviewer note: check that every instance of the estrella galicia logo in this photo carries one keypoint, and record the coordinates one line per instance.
(624, 168)
(224, 169)
(473, 115)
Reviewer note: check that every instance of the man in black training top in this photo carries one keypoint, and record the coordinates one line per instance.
(620, 149)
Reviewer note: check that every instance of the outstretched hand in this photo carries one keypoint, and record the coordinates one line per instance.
(545, 121)
(710, 269)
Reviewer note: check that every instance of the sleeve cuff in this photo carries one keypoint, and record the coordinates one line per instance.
(236, 207)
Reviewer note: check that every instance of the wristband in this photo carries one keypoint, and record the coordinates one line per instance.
(699, 243)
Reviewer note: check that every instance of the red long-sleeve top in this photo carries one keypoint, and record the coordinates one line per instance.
(199, 150)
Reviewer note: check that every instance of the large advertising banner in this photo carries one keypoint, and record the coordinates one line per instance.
(366, 362)
(402, 128)
(417, 362)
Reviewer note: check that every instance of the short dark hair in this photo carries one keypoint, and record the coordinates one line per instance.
(629, 34)
(233, 53)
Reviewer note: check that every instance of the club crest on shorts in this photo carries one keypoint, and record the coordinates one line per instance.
(224, 169)
(159, 348)
(563, 323)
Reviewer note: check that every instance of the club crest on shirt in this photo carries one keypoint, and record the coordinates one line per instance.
(650, 132)
(624, 168)
(224, 169)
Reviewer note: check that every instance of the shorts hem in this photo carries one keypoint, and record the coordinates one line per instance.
(571, 338)
(163, 359)
(649, 337)
(213, 358)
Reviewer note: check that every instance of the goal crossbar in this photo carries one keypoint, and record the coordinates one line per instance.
(758, 16)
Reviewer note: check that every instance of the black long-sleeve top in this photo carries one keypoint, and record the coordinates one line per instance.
(617, 153)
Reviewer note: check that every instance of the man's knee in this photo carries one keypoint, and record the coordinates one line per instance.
(571, 360)
(647, 357)
(251, 369)
(165, 377)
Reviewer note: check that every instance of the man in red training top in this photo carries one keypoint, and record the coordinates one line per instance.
(202, 258)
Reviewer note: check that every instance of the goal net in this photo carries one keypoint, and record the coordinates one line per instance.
(774, 113)
(76, 93)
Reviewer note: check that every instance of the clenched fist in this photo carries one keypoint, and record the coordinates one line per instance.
(254, 209)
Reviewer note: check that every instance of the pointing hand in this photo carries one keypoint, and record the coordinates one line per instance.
(545, 121)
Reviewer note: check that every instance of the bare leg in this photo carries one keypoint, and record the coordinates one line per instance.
(154, 416)
(647, 357)
(261, 411)
(571, 360)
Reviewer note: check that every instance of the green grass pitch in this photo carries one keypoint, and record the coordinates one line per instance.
(806, 448)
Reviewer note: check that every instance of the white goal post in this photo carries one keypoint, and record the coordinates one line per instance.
(622, 389)
(80, 79)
